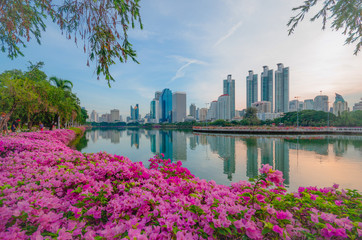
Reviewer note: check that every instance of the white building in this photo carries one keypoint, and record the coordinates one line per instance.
(223, 106)
(339, 105)
(115, 115)
(358, 106)
(321, 103)
(212, 112)
(268, 116)
(178, 107)
(262, 106)
(94, 116)
(308, 104)
(202, 114)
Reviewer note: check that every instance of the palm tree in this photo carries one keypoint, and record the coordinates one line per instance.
(61, 83)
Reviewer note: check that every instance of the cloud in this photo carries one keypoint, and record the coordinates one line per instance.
(188, 61)
(231, 32)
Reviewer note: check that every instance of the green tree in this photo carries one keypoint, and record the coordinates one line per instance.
(250, 117)
(100, 25)
(61, 83)
(345, 15)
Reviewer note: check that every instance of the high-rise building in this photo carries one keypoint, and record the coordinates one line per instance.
(262, 106)
(357, 106)
(193, 110)
(166, 105)
(229, 89)
(321, 103)
(267, 86)
(202, 114)
(281, 88)
(223, 107)
(251, 88)
(212, 113)
(94, 116)
(158, 95)
(293, 105)
(115, 115)
(154, 111)
(308, 104)
(135, 116)
(339, 105)
(178, 107)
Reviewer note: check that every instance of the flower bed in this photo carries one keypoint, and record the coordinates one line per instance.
(51, 191)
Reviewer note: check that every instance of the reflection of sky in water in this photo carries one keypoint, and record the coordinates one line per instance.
(304, 161)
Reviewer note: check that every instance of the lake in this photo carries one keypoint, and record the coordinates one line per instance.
(304, 160)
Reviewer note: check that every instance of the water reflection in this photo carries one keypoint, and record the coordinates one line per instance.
(237, 157)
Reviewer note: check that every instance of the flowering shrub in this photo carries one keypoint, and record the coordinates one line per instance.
(48, 190)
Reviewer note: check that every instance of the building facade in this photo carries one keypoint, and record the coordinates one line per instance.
(262, 106)
(94, 116)
(321, 103)
(358, 106)
(251, 88)
(212, 112)
(339, 105)
(202, 114)
(229, 88)
(166, 106)
(281, 88)
(223, 107)
(267, 86)
(115, 115)
(308, 104)
(178, 107)
(193, 110)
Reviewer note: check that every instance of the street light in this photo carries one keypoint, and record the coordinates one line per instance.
(297, 97)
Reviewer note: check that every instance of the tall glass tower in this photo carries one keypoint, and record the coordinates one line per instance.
(229, 89)
(166, 105)
(282, 88)
(267, 86)
(251, 88)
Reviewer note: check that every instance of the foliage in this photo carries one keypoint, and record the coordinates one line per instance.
(96, 23)
(67, 195)
(30, 97)
(345, 15)
(61, 83)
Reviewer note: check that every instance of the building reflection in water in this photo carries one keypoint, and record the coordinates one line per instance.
(259, 150)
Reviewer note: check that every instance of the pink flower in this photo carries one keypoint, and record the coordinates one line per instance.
(278, 229)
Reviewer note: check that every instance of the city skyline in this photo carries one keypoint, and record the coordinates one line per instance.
(191, 50)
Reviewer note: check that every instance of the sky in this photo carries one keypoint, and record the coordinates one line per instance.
(192, 46)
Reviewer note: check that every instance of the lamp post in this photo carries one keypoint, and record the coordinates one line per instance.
(297, 97)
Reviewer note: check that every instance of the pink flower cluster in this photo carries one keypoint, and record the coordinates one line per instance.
(48, 190)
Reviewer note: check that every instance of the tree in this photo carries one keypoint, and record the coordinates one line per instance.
(95, 23)
(345, 15)
(61, 83)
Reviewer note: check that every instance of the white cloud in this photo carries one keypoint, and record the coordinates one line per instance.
(181, 71)
(230, 32)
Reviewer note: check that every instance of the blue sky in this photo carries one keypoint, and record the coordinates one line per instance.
(192, 46)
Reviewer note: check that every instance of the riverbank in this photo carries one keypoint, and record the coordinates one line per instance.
(49, 189)
(282, 130)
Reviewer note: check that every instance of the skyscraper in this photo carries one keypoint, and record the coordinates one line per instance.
(281, 88)
(135, 113)
(308, 104)
(212, 113)
(166, 105)
(193, 110)
(154, 111)
(115, 115)
(223, 107)
(251, 88)
(321, 103)
(178, 107)
(229, 89)
(339, 105)
(267, 86)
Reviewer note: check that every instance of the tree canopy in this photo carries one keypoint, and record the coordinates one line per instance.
(344, 14)
(100, 26)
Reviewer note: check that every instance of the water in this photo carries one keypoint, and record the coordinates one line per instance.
(305, 160)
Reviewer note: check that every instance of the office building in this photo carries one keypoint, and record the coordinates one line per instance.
(281, 88)
(115, 115)
(358, 106)
(267, 86)
(135, 116)
(223, 107)
(251, 88)
(202, 114)
(308, 104)
(293, 105)
(212, 112)
(339, 105)
(262, 106)
(178, 107)
(94, 116)
(321, 103)
(229, 89)
(193, 110)
(154, 111)
(166, 105)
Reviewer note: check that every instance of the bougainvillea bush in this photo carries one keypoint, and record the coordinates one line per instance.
(49, 191)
